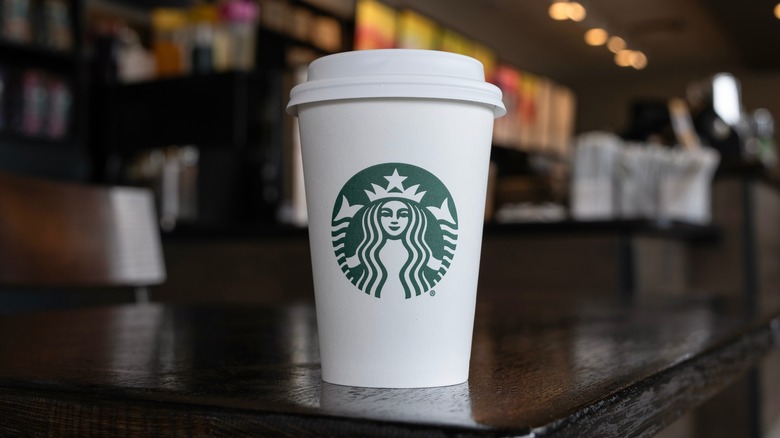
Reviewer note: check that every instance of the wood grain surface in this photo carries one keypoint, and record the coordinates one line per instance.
(145, 370)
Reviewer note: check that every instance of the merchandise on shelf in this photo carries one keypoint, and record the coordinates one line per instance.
(45, 23)
(59, 106)
(615, 179)
(205, 38)
(17, 20)
(375, 26)
(204, 19)
(326, 33)
(172, 173)
(35, 104)
(300, 23)
(170, 44)
(133, 62)
(56, 30)
(761, 143)
(240, 20)
(275, 15)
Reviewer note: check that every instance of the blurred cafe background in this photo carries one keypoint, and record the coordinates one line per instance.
(637, 161)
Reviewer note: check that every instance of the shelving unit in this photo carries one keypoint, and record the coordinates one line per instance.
(235, 118)
(62, 158)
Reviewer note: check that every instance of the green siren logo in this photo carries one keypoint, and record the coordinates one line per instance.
(395, 227)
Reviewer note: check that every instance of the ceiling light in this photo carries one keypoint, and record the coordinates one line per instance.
(616, 44)
(559, 10)
(638, 60)
(725, 98)
(623, 58)
(777, 11)
(596, 37)
(576, 11)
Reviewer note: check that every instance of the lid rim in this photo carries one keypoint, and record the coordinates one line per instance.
(397, 86)
(394, 73)
(498, 111)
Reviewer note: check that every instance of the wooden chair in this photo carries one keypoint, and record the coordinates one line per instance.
(66, 235)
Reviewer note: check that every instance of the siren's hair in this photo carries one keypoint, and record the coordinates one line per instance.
(374, 274)
(412, 273)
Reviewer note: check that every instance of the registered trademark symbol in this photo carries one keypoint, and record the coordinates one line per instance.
(433, 292)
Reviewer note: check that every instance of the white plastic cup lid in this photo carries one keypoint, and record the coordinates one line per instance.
(396, 73)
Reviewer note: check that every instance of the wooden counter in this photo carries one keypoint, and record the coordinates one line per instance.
(540, 369)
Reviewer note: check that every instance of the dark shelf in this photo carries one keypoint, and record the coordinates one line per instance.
(205, 110)
(28, 55)
(322, 11)
(748, 169)
(188, 78)
(670, 229)
(185, 232)
(10, 139)
(347, 25)
(665, 229)
(266, 34)
(44, 158)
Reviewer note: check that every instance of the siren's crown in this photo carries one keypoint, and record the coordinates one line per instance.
(395, 189)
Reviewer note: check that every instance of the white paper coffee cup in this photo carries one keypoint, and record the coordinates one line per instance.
(396, 150)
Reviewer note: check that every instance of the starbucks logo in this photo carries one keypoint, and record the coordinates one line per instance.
(395, 227)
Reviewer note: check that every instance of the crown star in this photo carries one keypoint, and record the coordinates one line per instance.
(395, 189)
(395, 181)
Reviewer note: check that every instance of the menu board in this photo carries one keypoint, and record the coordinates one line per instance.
(561, 127)
(540, 126)
(454, 42)
(507, 79)
(416, 31)
(375, 25)
(540, 112)
(486, 56)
